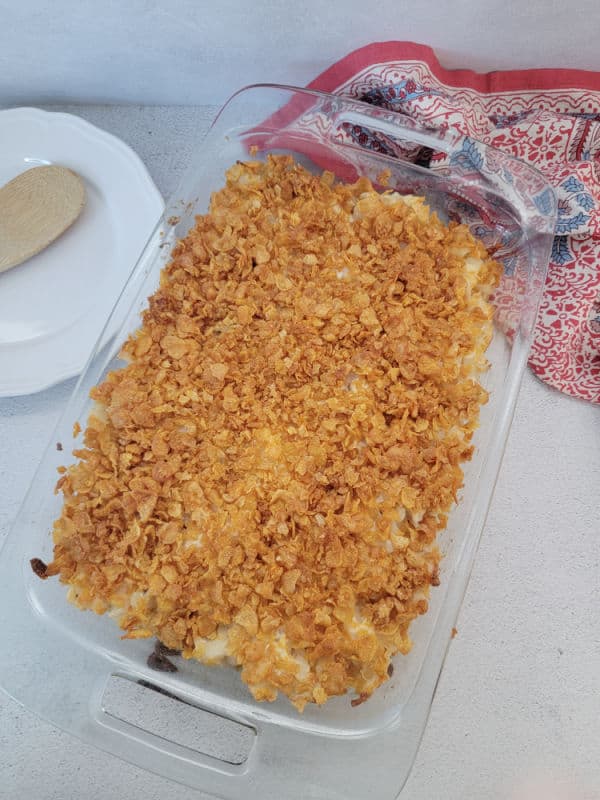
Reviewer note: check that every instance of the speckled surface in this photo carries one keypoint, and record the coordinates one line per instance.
(517, 711)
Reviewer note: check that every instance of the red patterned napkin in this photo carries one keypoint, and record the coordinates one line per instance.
(550, 118)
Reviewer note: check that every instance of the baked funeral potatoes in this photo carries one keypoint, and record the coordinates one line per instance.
(263, 481)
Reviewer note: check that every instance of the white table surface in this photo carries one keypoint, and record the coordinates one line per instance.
(517, 711)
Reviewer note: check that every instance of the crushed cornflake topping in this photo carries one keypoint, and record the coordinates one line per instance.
(262, 484)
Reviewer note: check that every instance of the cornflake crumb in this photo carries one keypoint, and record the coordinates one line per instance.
(41, 569)
(263, 482)
(384, 177)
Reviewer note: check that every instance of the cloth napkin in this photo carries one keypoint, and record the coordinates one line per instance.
(549, 118)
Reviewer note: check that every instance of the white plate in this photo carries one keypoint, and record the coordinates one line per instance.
(53, 307)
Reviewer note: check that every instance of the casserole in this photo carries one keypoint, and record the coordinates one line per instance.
(335, 751)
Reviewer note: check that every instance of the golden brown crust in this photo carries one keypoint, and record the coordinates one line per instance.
(265, 479)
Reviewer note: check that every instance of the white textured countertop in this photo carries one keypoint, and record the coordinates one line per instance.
(518, 703)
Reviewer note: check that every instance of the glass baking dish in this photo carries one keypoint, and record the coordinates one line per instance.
(60, 662)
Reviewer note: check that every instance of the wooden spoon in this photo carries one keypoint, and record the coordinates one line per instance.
(35, 208)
